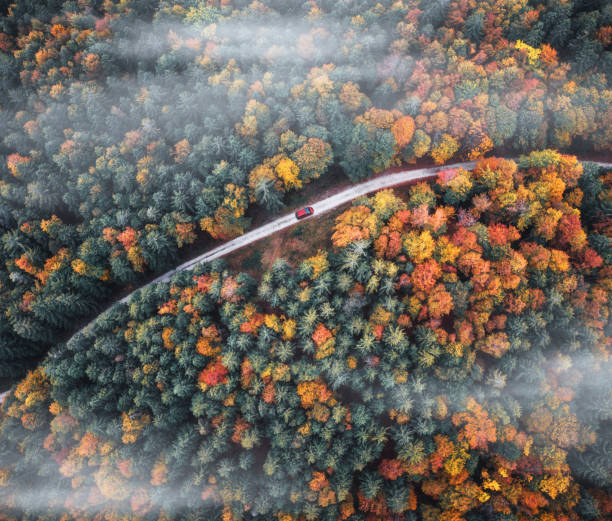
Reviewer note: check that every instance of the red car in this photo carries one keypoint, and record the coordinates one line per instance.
(304, 212)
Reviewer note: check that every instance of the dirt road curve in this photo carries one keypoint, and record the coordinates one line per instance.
(320, 207)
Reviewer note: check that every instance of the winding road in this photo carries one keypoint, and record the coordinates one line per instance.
(320, 207)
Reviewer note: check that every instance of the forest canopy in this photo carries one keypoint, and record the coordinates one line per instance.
(448, 358)
(445, 358)
(131, 128)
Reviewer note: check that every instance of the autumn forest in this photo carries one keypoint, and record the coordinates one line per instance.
(446, 356)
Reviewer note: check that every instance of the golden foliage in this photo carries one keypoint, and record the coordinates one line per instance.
(354, 224)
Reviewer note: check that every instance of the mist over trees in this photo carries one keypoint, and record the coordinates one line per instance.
(131, 127)
(448, 358)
